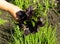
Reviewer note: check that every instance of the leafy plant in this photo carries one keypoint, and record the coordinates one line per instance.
(46, 34)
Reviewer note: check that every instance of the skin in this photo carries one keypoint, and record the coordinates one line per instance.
(12, 9)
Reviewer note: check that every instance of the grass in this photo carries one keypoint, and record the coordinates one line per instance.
(0, 12)
(46, 34)
(2, 22)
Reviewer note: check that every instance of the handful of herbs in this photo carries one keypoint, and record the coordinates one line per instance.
(25, 18)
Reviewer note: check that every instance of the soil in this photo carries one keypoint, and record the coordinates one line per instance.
(6, 28)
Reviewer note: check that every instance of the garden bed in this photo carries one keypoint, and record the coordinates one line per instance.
(8, 26)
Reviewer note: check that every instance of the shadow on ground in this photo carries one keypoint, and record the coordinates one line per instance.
(6, 28)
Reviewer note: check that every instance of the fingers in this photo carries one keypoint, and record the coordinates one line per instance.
(12, 9)
(21, 15)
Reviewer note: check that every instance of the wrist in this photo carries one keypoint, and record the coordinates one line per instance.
(12, 9)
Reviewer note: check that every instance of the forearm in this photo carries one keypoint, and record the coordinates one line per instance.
(12, 9)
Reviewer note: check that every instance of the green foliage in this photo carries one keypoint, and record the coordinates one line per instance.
(46, 34)
(2, 21)
(0, 12)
